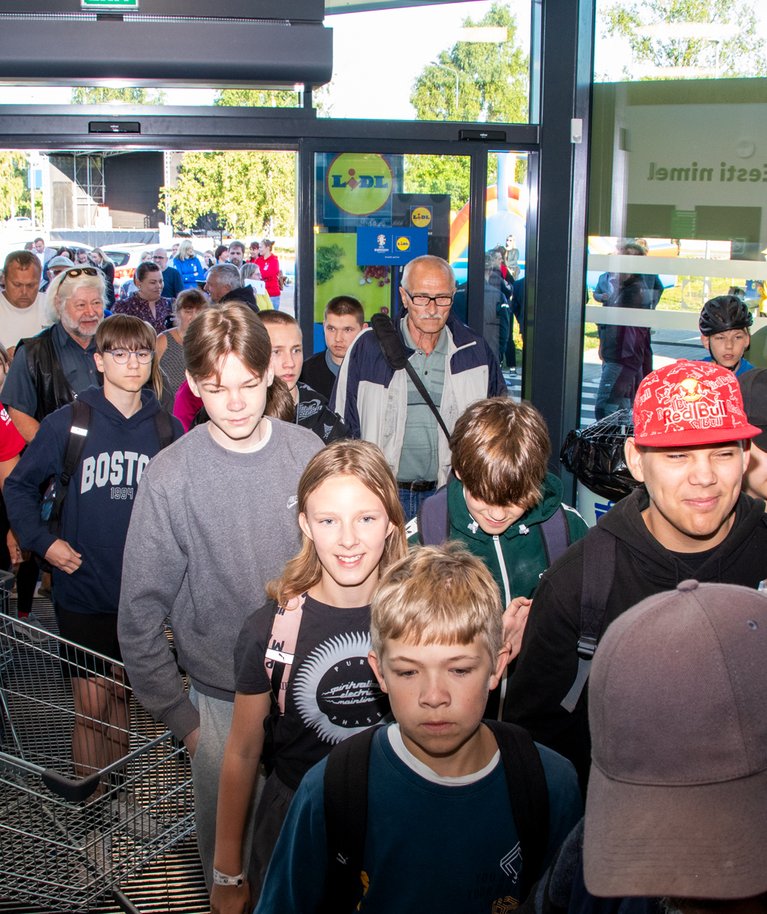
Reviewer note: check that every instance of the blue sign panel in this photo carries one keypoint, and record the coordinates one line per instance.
(381, 245)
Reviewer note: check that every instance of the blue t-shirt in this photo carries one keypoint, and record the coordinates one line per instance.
(430, 846)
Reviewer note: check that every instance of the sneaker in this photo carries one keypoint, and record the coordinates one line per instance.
(34, 630)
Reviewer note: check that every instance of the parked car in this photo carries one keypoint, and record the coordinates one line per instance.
(125, 257)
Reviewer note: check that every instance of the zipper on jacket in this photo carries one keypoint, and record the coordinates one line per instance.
(507, 593)
(504, 574)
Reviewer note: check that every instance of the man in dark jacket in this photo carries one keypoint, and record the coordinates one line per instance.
(173, 284)
(689, 520)
(224, 284)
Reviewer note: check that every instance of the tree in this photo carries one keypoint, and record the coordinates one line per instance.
(722, 54)
(14, 193)
(250, 192)
(103, 95)
(476, 82)
(469, 82)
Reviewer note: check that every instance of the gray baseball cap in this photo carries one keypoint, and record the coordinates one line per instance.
(59, 261)
(677, 797)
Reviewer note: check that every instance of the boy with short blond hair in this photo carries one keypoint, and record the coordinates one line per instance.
(440, 832)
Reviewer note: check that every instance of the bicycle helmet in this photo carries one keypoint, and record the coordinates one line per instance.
(725, 312)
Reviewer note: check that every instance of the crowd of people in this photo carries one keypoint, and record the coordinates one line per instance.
(408, 661)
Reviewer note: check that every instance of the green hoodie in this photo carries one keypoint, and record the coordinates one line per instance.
(517, 557)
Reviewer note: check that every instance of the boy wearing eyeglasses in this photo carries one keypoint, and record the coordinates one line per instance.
(124, 431)
(383, 405)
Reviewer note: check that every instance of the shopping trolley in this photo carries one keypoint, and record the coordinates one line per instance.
(68, 834)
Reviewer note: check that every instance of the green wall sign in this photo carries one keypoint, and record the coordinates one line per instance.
(109, 4)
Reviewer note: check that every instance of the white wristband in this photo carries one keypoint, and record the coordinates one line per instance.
(220, 878)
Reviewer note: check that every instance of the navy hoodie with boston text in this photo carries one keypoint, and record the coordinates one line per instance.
(100, 495)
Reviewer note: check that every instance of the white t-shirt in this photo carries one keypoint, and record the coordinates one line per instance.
(17, 323)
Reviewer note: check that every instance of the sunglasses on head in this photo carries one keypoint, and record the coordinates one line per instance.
(80, 271)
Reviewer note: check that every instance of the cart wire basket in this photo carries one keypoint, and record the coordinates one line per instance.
(71, 830)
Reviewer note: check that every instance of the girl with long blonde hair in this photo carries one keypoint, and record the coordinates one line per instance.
(301, 666)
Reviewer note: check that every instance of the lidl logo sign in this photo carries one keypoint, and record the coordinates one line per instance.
(359, 183)
(420, 216)
(403, 243)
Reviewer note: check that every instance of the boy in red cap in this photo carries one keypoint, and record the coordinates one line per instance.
(689, 519)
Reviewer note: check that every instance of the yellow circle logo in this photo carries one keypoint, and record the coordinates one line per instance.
(403, 243)
(359, 183)
(421, 216)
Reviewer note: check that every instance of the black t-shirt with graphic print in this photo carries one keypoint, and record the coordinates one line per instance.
(332, 694)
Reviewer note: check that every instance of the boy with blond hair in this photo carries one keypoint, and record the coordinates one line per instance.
(448, 828)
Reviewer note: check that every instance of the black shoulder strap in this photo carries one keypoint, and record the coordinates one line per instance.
(78, 432)
(395, 354)
(164, 427)
(529, 796)
(597, 581)
(556, 535)
(433, 521)
(346, 814)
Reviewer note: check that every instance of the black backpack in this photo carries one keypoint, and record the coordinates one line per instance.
(346, 795)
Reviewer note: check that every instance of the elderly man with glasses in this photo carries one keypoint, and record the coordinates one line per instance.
(455, 365)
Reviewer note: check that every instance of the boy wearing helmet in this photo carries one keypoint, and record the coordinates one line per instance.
(724, 323)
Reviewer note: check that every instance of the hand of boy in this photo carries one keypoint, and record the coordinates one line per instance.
(62, 556)
(13, 548)
(514, 621)
(231, 899)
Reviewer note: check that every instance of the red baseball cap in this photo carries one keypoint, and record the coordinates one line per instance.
(688, 403)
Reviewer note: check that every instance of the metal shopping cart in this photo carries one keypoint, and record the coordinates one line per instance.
(69, 834)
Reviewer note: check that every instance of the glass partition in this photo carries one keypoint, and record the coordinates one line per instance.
(677, 196)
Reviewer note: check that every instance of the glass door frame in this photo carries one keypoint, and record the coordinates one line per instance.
(477, 153)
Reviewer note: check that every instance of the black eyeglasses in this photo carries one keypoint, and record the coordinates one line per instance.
(80, 271)
(421, 300)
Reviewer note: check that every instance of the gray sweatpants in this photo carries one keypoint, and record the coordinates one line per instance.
(215, 723)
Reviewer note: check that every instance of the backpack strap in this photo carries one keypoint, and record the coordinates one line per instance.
(433, 520)
(78, 432)
(529, 796)
(281, 647)
(597, 580)
(346, 814)
(556, 535)
(164, 427)
(394, 352)
(346, 805)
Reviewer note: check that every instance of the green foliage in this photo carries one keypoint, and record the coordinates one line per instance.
(103, 95)
(257, 98)
(329, 259)
(251, 192)
(742, 55)
(469, 82)
(424, 174)
(14, 193)
(476, 82)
